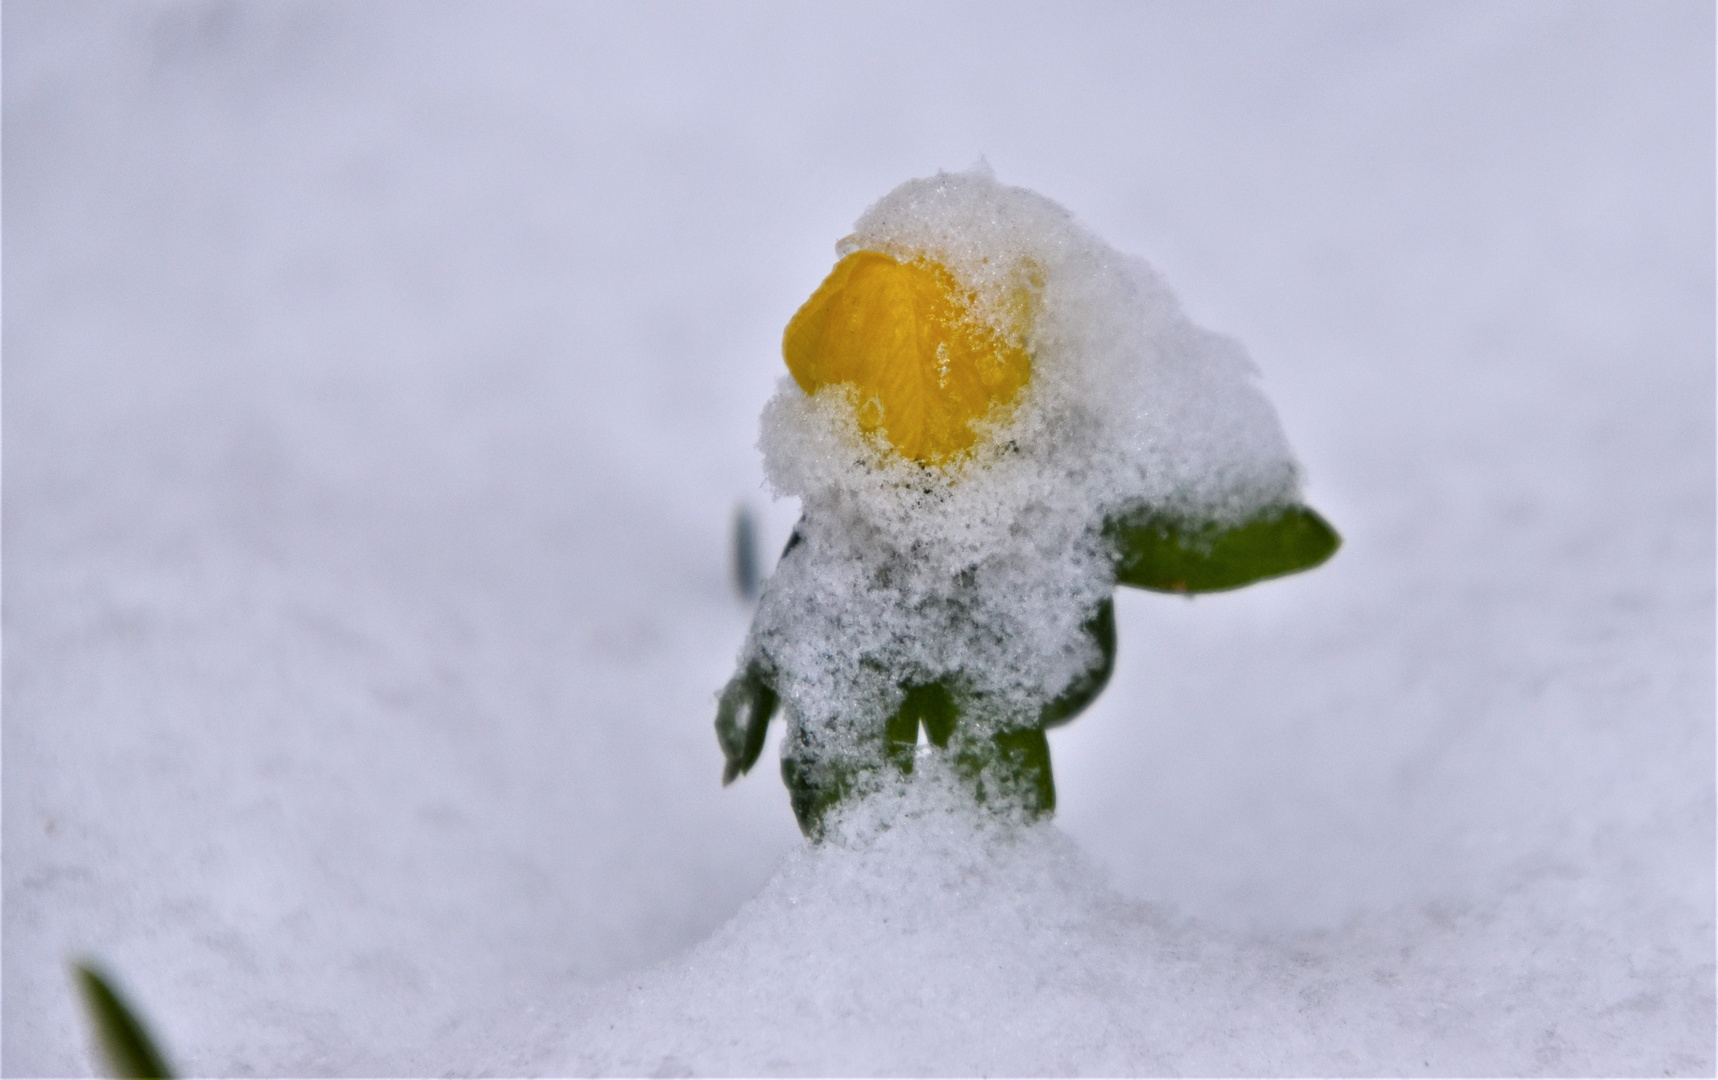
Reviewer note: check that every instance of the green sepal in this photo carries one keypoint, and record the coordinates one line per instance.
(929, 704)
(124, 1041)
(1013, 765)
(743, 719)
(1085, 689)
(1168, 554)
(812, 788)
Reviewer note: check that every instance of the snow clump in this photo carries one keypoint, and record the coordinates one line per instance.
(985, 569)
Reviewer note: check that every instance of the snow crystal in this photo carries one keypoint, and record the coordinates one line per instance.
(988, 569)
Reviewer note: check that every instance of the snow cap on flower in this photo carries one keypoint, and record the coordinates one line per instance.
(963, 309)
(978, 385)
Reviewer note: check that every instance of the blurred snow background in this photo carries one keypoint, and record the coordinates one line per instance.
(379, 385)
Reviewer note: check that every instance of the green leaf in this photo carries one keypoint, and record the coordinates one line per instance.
(124, 1041)
(1167, 554)
(742, 721)
(1012, 766)
(813, 786)
(1085, 689)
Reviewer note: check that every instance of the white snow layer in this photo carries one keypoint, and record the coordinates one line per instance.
(379, 385)
(935, 945)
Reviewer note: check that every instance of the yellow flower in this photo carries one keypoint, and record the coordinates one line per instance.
(923, 364)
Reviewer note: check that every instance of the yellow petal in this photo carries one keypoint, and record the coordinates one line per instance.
(922, 364)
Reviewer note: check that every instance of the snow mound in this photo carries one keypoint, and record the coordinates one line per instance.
(927, 938)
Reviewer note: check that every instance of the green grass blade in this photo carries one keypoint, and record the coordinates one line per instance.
(124, 1041)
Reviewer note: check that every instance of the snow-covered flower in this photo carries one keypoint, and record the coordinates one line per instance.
(993, 419)
(919, 357)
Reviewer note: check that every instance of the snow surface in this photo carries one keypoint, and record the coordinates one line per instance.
(379, 386)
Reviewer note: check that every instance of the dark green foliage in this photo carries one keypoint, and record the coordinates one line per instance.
(123, 1039)
(1165, 554)
(742, 720)
(1012, 767)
